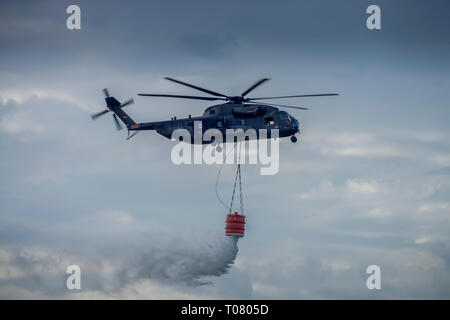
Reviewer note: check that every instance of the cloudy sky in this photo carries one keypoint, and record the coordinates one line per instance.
(367, 182)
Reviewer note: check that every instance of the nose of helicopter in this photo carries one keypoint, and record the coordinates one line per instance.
(295, 125)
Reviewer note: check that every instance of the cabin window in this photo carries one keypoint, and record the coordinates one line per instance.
(219, 124)
(269, 120)
(212, 111)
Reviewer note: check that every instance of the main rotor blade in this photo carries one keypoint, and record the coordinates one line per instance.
(106, 92)
(130, 101)
(197, 88)
(298, 96)
(179, 96)
(98, 114)
(254, 86)
(116, 121)
(281, 105)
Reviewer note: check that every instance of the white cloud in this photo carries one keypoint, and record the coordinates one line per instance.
(422, 240)
(142, 289)
(359, 186)
(379, 213)
(21, 96)
(434, 206)
(362, 151)
(357, 144)
(442, 160)
(325, 188)
(117, 217)
(336, 265)
(19, 122)
(424, 260)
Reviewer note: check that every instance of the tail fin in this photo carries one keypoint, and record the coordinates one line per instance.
(116, 107)
(113, 105)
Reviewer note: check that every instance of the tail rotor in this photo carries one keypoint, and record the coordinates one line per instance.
(112, 103)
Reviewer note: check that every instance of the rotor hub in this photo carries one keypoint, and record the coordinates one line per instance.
(236, 99)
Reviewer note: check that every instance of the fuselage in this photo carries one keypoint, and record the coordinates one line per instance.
(228, 116)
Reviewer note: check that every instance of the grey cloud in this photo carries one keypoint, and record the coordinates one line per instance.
(208, 46)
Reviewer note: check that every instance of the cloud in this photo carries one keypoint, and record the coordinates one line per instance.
(366, 183)
(362, 187)
(325, 188)
(208, 46)
(434, 206)
(442, 160)
(380, 213)
(19, 122)
(423, 239)
(164, 261)
(358, 145)
(312, 270)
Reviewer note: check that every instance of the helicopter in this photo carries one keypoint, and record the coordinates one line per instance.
(237, 112)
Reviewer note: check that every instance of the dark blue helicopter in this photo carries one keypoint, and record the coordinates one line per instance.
(238, 112)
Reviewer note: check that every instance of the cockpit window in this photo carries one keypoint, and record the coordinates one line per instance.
(268, 120)
(284, 116)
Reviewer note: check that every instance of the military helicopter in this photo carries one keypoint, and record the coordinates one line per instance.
(238, 112)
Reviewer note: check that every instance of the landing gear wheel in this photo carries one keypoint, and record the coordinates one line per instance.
(294, 139)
